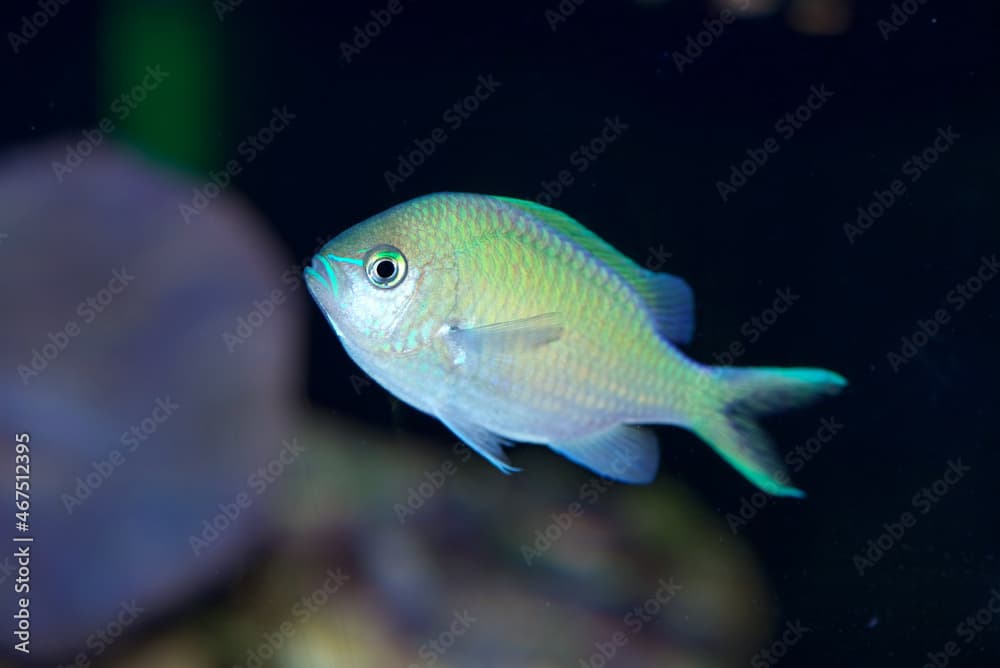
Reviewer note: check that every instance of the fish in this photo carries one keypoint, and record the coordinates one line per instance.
(511, 322)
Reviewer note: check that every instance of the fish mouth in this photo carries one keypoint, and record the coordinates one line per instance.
(321, 281)
(320, 275)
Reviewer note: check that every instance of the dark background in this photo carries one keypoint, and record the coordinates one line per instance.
(655, 187)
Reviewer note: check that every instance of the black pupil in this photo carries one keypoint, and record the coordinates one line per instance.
(385, 269)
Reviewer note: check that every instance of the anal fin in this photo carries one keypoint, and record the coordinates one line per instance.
(624, 453)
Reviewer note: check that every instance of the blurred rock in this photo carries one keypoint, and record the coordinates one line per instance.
(143, 415)
(821, 17)
(548, 563)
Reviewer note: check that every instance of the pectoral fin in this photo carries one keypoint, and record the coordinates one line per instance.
(481, 440)
(482, 348)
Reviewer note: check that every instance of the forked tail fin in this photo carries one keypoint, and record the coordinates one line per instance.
(742, 394)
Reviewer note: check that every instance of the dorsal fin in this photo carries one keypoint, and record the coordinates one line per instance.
(670, 302)
(667, 298)
(578, 234)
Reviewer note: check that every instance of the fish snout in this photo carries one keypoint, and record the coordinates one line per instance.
(320, 278)
(321, 281)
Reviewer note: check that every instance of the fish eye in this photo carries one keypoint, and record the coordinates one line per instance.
(385, 266)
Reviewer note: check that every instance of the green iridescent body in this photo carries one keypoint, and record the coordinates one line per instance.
(511, 322)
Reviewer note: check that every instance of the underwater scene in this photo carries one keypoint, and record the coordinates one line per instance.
(554, 334)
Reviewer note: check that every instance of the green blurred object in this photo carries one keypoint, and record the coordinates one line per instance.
(177, 39)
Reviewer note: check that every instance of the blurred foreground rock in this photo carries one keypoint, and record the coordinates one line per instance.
(142, 419)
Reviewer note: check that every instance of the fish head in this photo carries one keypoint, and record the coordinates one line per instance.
(379, 283)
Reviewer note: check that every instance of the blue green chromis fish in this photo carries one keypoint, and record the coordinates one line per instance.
(511, 322)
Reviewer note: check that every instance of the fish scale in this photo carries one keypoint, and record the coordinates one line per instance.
(527, 294)
(511, 322)
(601, 345)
